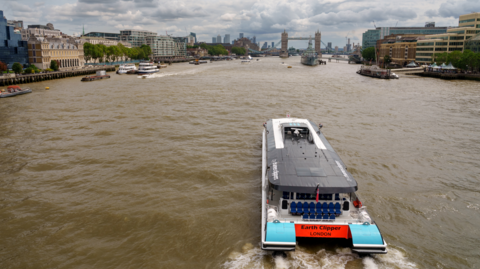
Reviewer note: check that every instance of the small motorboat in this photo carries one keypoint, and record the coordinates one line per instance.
(13, 90)
(100, 75)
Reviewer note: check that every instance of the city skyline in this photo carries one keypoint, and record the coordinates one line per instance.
(266, 19)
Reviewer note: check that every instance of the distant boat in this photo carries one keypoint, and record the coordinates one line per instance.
(147, 68)
(123, 69)
(14, 90)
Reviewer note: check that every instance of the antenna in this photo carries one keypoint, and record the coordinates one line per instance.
(374, 24)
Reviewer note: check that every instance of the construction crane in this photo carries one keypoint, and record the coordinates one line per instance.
(374, 25)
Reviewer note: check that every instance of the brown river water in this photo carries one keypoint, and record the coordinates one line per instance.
(164, 172)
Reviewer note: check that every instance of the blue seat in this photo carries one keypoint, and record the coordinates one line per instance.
(312, 216)
(319, 216)
(305, 216)
(324, 208)
(305, 208)
(325, 216)
(337, 197)
(319, 208)
(332, 216)
(337, 209)
(299, 208)
(331, 209)
(293, 208)
(286, 195)
(311, 208)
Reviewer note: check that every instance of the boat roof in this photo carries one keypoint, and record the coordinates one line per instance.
(300, 165)
(14, 87)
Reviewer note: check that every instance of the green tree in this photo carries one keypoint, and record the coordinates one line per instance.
(454, 58)
(238, 50)
(467, 60)
(147, 51)
(369, 54)
(88, 51)
(441, 58)
(54, 65)
(17, 68)
(101, 50)
(123, 50)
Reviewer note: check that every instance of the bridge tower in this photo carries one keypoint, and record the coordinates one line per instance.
(318, 40)
(284, 50)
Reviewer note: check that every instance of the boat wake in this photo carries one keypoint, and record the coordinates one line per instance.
(254, 257)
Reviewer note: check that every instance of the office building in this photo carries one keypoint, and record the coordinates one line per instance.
(194, 35)
(40, 30)
(108, 36)
(67, 51)
(100, 40)
(265, 45)
(226, 39)
(164, 46)
(241, 35)
(370, 37)
(273, 44)
(329, 45)
(17, 25)
(219, 39)
(254, 39)
(245, 43)
(336, 49)
(400, 48)
(453, 40)
(214, 40)
(12, 47)
(136, 37)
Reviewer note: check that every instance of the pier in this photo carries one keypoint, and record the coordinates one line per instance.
(20, 79)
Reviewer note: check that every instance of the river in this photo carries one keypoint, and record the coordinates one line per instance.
(164, 172)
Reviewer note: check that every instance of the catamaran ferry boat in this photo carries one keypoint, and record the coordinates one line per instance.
(147, 68)
(308, 192)
(123, 69)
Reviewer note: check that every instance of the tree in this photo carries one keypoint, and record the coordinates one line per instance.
(369, 54)
(17, 68)
(387, 59)
(88, 51)
(238, 50)
(146, 50)
(3, 67)
(467, 60)
(54, 65)
(454, 58)
(441, 58)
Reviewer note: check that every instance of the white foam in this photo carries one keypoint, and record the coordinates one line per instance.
(254, 257)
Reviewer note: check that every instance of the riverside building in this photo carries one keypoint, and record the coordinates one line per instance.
(453, 40)
(67, 51)
(12, 47)
(136, 37)
(400, 48)
(167, 47)
(370, 37)
(40, 30)
(107, 36)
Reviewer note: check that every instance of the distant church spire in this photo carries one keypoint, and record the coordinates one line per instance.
(83, 29)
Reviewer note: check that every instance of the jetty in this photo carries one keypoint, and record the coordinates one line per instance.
(6, 80)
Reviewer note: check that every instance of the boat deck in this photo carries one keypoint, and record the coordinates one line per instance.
(351, 216)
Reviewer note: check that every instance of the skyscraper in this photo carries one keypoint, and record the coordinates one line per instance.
(329, 45)
(226, 39)
(265, 45)
(273, 44)
(254, 39)
(214, 40)
(241, 35)
(219, 39)
(194, 35)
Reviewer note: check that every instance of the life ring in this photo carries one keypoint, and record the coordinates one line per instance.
(357, 203)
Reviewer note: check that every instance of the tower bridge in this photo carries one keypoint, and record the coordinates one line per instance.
(284, 42)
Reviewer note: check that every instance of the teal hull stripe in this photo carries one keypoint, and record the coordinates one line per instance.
(365, 234)
(280, 232)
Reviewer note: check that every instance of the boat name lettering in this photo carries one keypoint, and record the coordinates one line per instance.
(321, 227)
(275, 169)
(320, 234)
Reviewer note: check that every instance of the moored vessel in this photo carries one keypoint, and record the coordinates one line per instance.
(13, 90)
(309, 57)
(99, 75)
(123, 69)
(308, 192)
(147, 68)
(376, 72)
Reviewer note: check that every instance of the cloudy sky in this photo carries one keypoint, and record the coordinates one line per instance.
(265, 19)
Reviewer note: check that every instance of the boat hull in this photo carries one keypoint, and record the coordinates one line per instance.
(309, 60)
(143, 72)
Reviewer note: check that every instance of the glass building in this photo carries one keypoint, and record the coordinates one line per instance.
(12, 48)
(109, 36)
(136, 37)
(370, 37)
(194, 35)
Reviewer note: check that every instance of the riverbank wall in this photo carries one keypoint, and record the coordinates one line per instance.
(449, 75)
(20, 79)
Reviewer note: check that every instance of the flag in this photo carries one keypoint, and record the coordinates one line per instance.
(317, 193)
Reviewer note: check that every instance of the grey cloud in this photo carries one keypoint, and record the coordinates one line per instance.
(455, 9)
